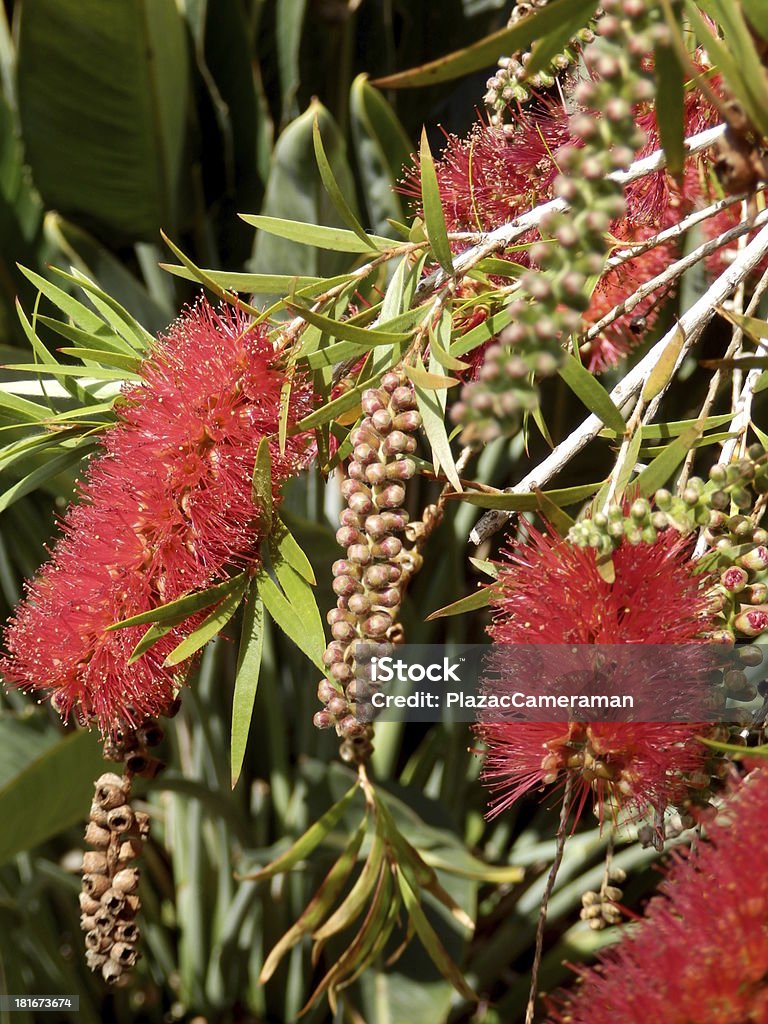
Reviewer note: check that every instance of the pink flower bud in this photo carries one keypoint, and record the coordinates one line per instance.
(361, 503)
(347, 536)
(751, 622)
(403, 399)
(382, 421)
(376, 625)
(374, 400)
(407, 421)
(756, 559)
(392, 380)
(391, 496)
(322, 720)
(734, 579)
(402, 469)
(390, 547)
(376, 473)
(343, 631)
(359, 553)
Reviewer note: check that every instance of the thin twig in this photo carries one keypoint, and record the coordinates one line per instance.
(673, 271)
(692, 323)
(562, 835)
(503, 236)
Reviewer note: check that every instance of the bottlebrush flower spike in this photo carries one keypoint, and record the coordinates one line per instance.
(165, 509)
(700, 954)
(551, 592)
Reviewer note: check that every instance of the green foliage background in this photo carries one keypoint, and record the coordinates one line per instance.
(118, 120)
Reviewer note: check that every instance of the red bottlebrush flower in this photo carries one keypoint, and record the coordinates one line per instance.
(700, 954)
(551, 592)
(165, 509)
(496, 173)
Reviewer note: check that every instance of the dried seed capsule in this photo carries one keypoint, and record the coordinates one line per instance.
(110, 791)
(94, 863)
(88, 904)
(124, 954)
(120, 819)
(113, 900)
(126, 881)
(98, 941)
(97, 836)
(111, 972)
(127, 931)
(94, 959)
(95, 885)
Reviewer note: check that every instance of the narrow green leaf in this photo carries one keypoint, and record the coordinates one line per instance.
(554, 515)
(83, 372)
(330, 888)
(663, 466)
(662, 372)
(125, 325)
(258, 284)
(150, 638)
(578, 16)
(289, 551)
(433, 421)
(328, 179)
(335, 239)
(485, 52)
(81, 315)
(429, 381)
(177, 611)
(344, 329)
(434, 217)
(50, 468)
(510, 502)
(480, 334)
(246, 680)
(22, 407)
(670, 109)
(358, 895)
(757, 13)
(210, 627)
(307, 842)
(591, 392)
(286, 617)
(429, 939)
(209, 282)
(471, 603)
(122, 362)
(302, 600)
(262, 483)
(334, 409)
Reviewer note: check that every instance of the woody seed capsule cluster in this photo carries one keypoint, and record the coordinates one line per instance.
(108, 899)
(369, 581)
(600, 908)
(573, 246)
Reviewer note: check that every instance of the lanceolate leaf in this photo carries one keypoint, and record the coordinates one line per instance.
(262, 484)
(434, 217)
(176, 611)
(591, 392)
(311, 839)
(538, 25)
(332, 187)
(471, 603)
(211, 626)
(335, 239)
(670, 108)
(663, 466)
(508, 502)
(288, 618)
(246, 679)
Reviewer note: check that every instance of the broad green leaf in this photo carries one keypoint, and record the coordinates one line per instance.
(434, 217)
(286, 616)
(307, 842)
(670, 108)
(58, 784)
(177, 611)
(663, 466)
(338, 199)
(210, 627)
(510, 502)
(262, 483)
(103, 93)
(539, 24)
(578, 15)
(471, 603)
(590, 392)
(297, 218)
(246, 680)
(335, 239)
(382, 149)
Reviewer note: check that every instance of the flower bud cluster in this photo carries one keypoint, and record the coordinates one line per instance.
(510, 84)
(108, 900)
(573, 246)
(369, 581)
(600, 909)
(721, 507)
